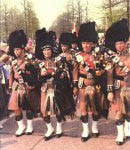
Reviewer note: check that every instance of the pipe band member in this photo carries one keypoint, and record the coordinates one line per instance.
(119, 75)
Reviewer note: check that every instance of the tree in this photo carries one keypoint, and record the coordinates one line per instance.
(12, 19)
(61, 24)
(31, 22)
(75, 12)
(25, 15)
(115, 9)
(79, 12)
(15, 19)
(4, 20)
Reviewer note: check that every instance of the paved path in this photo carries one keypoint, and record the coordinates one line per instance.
(70, 140)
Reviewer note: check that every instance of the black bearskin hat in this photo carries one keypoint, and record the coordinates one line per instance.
(118, 31)
(88, 33)
(74, 38)
(52, 35)
(40, 35)
(17, 39)
(65, 38)
(43, 40)
(40, 40)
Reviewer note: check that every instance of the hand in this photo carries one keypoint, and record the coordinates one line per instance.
(44, 73)
(69, 58)
(62, 75)
(110, 97)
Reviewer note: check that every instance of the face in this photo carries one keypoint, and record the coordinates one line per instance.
(18, 52)
(74, 45)
(87, 46)
(47, 52)
(64, 47)
(120, 46)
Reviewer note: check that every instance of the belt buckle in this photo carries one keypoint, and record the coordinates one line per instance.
(89, 76)
(21, 81)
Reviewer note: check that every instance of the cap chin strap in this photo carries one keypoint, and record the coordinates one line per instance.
(48, 58)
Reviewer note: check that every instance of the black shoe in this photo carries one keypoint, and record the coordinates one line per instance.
(84, 139)
(119, 143)
(19, 135)
(59, 135)
(29, 133)
(95, 135)
(49, 137)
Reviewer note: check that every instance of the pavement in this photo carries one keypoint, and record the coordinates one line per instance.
(70, 141)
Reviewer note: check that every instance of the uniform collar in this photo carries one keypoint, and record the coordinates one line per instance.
(122, 53)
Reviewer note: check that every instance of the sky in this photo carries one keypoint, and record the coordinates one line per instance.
(48, 10)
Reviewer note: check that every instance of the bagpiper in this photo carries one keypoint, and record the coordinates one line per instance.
(88, 94)
(52, 77)
(44, 52)
(69, 64)
(119, 76)
(22, 83)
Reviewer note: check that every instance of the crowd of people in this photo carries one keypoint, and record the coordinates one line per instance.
(51, 78)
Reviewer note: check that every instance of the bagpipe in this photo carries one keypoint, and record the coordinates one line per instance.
(64, 66)
(50, 72)
(100, 61)
(86, 66)
(29, 61)
(63, 62)
(114, 58)
(30, 58)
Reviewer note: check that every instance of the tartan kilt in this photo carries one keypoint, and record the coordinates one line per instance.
(31, 101)
(64, 98)
(27, 100)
